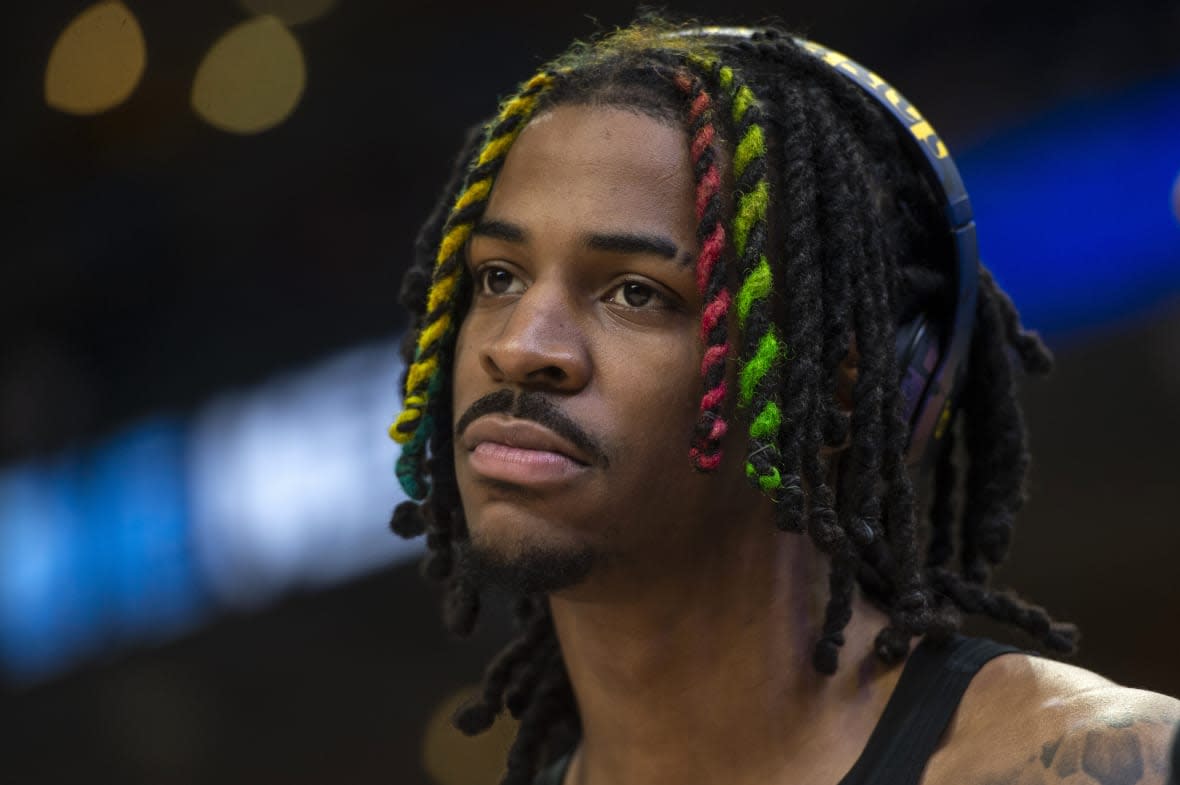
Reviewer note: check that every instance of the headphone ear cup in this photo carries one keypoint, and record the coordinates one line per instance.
(918, 343)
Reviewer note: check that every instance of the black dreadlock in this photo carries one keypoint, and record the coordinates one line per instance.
(848, 268)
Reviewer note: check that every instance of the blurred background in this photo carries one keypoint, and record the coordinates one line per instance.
(209, 208)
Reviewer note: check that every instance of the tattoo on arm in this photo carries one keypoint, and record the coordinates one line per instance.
(1124, 750)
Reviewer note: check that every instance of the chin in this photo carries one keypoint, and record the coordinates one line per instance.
(526, 565)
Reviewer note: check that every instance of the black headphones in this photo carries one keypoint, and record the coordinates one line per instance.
(931, 354)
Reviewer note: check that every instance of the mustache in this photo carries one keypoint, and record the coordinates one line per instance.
(537, 407)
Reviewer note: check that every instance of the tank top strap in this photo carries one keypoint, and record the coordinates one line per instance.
(926, 696)
(554, 773)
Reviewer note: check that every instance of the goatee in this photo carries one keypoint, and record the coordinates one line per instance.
(532, 570)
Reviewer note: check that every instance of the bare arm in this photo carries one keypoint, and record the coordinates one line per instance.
(1127, 742)
(1032, 721)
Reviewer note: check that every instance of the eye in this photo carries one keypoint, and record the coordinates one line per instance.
(495, 280)
(635, 294)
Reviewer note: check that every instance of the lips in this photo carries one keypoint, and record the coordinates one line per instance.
(522, 452)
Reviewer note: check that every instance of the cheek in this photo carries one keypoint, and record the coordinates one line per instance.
(659, 390)
(659, 498)
(666, 397)
(465, 371)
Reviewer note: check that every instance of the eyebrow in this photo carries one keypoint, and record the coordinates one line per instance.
(500, 230)
(629, 243)
(610, 242)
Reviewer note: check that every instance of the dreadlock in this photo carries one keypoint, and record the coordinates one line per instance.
(833, 238)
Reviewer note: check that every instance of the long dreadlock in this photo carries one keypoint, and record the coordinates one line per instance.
(835, 239)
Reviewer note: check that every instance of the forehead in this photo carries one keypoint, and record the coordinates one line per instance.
(598, 166)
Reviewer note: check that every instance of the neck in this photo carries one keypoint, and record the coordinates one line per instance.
(705, 675)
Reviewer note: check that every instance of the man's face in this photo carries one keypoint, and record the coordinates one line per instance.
(582, 339)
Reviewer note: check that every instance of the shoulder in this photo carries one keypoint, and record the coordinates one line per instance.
(1031, 721)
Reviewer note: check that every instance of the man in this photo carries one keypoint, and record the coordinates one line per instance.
(688, 325)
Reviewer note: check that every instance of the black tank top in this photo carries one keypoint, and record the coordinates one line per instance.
(931, 685)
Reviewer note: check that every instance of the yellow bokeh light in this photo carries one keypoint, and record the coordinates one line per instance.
(97, 60)
(252, 77)
(450, 758)
(292, 12)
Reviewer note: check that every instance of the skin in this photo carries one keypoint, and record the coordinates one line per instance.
(688, 644)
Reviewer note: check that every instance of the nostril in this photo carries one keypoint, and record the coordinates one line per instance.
(491, 369)
(550, 373)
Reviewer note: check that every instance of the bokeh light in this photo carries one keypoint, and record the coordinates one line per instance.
(450, 758)
(251, 79)
(264, 491)
(97, 61)
(292, 12)
(290, 481)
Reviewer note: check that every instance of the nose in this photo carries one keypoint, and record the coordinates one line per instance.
(540, 344)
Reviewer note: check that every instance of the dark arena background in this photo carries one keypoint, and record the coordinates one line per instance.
(209, 208)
